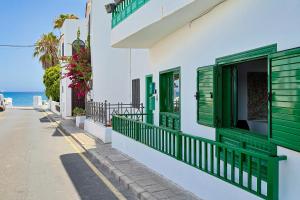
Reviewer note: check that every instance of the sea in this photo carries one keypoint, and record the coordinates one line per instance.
(23, 99)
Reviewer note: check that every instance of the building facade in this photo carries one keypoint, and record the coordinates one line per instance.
(71, 30)
(205, 93)
(112, 73)
(221, 94)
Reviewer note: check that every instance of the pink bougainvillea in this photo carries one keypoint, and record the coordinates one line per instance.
(79, 71)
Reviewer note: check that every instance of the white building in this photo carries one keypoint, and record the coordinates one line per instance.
(219, 80)
(69, 33)
(112, 73)
(223, 86)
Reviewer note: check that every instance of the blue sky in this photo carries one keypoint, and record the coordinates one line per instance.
(23, 22)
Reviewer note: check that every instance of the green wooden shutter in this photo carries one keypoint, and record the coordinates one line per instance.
(285, 93)
(205, 96)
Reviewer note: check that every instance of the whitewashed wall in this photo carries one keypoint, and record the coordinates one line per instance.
(232, 27)
(112, 68)
(69, 31)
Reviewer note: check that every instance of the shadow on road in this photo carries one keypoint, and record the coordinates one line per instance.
(87, 184)
(44, 120)
(57, 133)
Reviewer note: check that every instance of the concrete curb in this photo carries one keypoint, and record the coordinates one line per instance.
(131, 185)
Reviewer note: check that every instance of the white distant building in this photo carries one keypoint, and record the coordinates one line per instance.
(69, 33)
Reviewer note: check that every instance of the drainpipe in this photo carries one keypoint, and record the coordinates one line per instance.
(130, 73)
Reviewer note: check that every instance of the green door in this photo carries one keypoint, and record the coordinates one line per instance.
(284, 98)
(169, 96)
(150, 99)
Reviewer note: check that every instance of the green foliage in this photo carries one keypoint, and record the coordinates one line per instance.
(51, 81)
(59, 21)
(78, 112)
(46, 49)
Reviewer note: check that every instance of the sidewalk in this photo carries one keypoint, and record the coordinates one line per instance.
(142, 181)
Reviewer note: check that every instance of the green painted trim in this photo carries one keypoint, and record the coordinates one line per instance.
(147, 98)
(284, 53)
(253, 54)
(209, 67)
(171, 70)
(247, 55)
(269, 101)
(284, 102)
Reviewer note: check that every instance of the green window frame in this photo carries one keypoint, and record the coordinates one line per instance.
(225, 133)
(150, 98)
(169, 117)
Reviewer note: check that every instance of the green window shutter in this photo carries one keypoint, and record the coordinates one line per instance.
(285, 94)
(205, 96)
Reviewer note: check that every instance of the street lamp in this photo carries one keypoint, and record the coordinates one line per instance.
(110, 7)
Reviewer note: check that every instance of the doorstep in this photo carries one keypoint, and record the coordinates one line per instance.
(142, 181)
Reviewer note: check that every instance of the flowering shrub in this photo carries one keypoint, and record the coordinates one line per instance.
(79, 71)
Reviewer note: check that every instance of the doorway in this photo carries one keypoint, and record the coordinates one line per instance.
(170, 94)
(150, 99)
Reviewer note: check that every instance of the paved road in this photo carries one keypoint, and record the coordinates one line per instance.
(37, 163)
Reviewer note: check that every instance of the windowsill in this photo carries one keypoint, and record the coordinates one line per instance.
(249, 133)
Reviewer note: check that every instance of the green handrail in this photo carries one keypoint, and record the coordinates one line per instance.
(125, 9)
(217, 159)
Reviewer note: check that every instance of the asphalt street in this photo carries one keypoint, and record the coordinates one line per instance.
(37, 163)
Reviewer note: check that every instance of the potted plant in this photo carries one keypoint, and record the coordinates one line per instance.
(79, 113)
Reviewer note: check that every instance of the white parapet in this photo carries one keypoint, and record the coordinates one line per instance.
(194, 180)
(54, 107)
(80, 121)
(37, 102)
(100, 131)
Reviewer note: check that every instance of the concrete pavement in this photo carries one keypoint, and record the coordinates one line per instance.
(137, 178)
(37, 162)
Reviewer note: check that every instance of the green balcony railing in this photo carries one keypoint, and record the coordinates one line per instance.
(237, 166)
(125, 9)
(169, 120)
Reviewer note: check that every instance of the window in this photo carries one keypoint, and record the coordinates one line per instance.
(242, 100)
(232, 96)
(63, 49)
(136, 93)
(245, 96)
(170, 92)
(169, 96)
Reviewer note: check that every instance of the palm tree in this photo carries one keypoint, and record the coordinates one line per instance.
(59, 21)
(46, 49)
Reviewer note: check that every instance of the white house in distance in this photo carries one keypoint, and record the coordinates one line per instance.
(69, 33)
(112, 74)
(221, 92)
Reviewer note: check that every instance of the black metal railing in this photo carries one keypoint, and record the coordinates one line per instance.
(103, 112)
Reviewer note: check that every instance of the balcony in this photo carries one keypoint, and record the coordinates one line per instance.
(249, 170)
(125, 9)
(134, 22)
